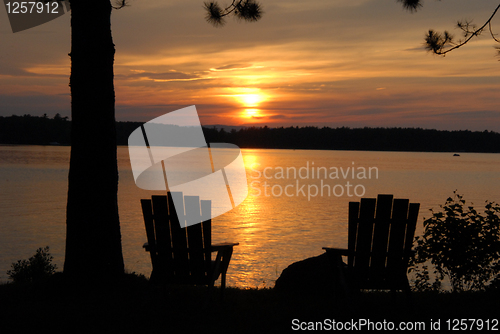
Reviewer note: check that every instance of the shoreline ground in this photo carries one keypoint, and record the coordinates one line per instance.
(134, 305)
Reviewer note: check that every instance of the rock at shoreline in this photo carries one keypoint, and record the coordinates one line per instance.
(309, 275)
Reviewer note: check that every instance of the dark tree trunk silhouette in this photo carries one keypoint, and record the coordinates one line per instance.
(93, 240)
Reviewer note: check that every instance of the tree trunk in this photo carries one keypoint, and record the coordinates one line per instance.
(93, 240)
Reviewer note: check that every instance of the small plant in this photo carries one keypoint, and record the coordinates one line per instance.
(36, 267)
(461, 245)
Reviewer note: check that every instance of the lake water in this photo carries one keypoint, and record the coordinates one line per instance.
(285, 218)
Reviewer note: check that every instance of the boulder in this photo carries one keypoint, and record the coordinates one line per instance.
(314, 274)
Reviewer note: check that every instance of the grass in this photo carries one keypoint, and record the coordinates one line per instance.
(133, 305)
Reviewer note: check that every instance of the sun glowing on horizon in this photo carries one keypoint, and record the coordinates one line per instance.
(247, 97)
(249, 100)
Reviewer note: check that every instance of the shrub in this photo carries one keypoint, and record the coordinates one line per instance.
(460, 244)
(35, 268)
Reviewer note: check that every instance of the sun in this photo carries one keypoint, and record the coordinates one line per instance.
(249, 97)
(251, 100)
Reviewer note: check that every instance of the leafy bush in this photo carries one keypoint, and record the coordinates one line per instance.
(461, 245)
(35, 268)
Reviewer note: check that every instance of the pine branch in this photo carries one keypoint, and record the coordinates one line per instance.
(437, 43)
(248, 10)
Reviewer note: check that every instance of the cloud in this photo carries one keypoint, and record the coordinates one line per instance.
(416, 49)
(232, 67)
(477, 114)
(277, 116)
(6, 69)
(171, 75)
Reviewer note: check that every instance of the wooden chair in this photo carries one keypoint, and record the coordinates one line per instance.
(183, 255)
(380, 237)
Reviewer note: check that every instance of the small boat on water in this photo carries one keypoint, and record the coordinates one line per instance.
(456, 155)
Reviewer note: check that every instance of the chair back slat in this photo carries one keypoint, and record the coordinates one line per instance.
(147, 212)
(352, 229)
(398, 231)
(195, 238)
(410, 230)
(380, 235)
(179, 237)
(364, 235)
(206, 225)
(162, 232)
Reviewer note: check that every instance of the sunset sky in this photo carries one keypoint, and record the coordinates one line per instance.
(330, 63)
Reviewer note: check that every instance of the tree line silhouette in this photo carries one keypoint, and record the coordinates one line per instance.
(365, 139)
(33, 130)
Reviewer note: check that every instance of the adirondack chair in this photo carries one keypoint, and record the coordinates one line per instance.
(183, 255)
(380, 237)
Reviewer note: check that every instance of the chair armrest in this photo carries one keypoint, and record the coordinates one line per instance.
(147, 247)
(223, 246)
(337, 251)
(346, 252)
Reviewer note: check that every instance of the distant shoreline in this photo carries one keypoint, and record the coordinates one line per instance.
(287, 149)
(32, 130)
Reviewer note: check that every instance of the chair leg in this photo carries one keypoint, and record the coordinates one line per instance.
(215, 274)
(226, 258)
(403, 285)
(220, 268)
(222, 284)
(340, 275)
(409, 296)
(208, 298)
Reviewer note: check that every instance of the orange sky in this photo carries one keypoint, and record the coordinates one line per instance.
(323, 62)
